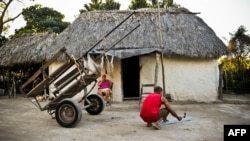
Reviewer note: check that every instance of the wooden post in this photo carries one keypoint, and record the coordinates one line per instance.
(161, 46)
(163, 75)
(220, 96)
(156, 68)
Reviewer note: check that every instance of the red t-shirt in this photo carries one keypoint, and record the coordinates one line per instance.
(151, 107)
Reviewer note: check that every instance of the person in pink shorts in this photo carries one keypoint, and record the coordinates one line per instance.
(105, 88)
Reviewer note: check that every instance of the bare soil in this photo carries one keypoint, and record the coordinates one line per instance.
(20, 120)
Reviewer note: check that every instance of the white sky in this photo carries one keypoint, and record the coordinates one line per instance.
(223, 16)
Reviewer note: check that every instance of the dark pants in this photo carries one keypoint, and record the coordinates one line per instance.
(163, 114)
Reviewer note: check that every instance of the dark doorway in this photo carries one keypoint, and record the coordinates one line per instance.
(131, 77)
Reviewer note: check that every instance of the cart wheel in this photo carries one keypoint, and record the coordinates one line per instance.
(68, 113)
(96, 104)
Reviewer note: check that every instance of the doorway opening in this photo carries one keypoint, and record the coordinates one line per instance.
(131, 77)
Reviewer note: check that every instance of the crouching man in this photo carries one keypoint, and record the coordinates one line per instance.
(151, 111)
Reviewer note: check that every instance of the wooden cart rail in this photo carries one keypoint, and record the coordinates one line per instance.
(65, 87)
(35, 75)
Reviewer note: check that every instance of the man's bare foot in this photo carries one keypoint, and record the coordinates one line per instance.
(155, 125)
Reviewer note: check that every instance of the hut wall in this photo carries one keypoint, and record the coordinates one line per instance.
(185, 79)
(147, 71)
(117, 90)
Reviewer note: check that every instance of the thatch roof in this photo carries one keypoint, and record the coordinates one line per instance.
(28, 48)
(183, 33)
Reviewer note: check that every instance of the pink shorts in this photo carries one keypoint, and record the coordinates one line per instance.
(105, 89)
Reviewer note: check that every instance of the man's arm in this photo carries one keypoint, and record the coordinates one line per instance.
(169, 108)
(99, 83)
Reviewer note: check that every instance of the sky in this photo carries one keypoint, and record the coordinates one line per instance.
(223, 16)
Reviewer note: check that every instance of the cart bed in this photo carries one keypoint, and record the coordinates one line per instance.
(68, 80)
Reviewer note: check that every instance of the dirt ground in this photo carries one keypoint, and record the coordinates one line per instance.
(20, 120)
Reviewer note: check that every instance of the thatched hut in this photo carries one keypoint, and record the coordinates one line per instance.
(190, 51)
(21, 56)
(26, 49)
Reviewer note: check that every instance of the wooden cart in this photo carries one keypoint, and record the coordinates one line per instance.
(68, 80)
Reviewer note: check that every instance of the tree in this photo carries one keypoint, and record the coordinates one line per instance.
(237, 65)
(239, 47)
(4, 19)
(3, 40)
(163, 3)
(239, 44)
(94, 5)
(41, 19)
(111, 5)
(136, 4)
(98, 5)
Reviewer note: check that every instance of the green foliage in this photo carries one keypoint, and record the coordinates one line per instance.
(111, 5)
(137, 4)
(239, 45)
(3, 40)
(236, 66)
(98, 5)
(41, 19)
(5, 19)
(163, 3)
(94, 5)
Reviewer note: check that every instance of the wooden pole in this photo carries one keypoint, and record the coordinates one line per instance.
(156, 67)
(220, 95)
(161, 46)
